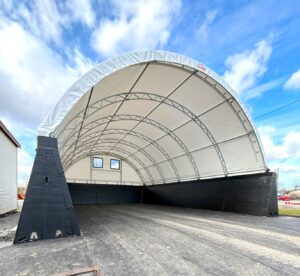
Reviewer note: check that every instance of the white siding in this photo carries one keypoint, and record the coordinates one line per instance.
(8, 175)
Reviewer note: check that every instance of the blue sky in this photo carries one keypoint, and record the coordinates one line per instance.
(45, 46)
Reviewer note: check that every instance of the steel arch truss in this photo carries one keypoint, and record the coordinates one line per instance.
(93, 108)
(163, 128)
(67, 161)
(136, 147)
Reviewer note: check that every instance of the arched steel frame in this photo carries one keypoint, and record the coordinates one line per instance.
(134, 146)
(136, 159)
(151, 97)
(156, 124)
(68, 162)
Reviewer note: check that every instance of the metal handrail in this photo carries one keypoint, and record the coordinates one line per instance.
(106, 182)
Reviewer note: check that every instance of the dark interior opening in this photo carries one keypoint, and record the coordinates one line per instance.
(248, 194)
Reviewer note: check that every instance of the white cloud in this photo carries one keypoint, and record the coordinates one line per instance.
(32, 76)
(6, 4)
(48, 19)
(294, 81)
(136, 25)
(282, 155)
(42, 18)
(257, 91)
(19, 130)
(244, 69)
(290, 168)
(288, 148)
(209, 18)
(25, 162)
(82, 11)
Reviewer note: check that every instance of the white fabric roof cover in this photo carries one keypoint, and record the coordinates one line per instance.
(169, 116)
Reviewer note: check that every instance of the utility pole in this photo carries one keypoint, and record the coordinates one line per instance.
(296, 186)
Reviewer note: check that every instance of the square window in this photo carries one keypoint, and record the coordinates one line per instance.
(97, 162)
(114, 164)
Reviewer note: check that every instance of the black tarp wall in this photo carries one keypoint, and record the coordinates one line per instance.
(247, 194)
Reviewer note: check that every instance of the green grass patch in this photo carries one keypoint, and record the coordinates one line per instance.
(289, 212)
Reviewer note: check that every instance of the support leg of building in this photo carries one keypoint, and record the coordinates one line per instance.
(48, 209)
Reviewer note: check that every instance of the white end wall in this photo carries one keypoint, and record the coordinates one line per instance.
(83, 171)
(8, 175)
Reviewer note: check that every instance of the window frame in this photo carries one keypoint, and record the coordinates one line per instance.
(119, 167)
(94, 167)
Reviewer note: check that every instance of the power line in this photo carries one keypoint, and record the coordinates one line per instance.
(276, 109)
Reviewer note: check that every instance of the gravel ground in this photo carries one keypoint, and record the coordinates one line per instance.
(160, 240)
(8, 224)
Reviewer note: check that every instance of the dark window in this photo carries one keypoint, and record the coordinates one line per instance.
(114, 164)
(97, 162)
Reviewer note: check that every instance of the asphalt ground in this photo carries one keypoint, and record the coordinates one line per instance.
(160, 240)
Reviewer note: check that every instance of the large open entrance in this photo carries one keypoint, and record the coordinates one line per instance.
(153, 127)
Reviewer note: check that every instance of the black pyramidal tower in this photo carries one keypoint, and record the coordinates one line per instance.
(48, 209)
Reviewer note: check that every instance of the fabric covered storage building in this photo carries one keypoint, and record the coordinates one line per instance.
(176, 127)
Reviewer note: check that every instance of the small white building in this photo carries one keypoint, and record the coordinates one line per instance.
(8, 171)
